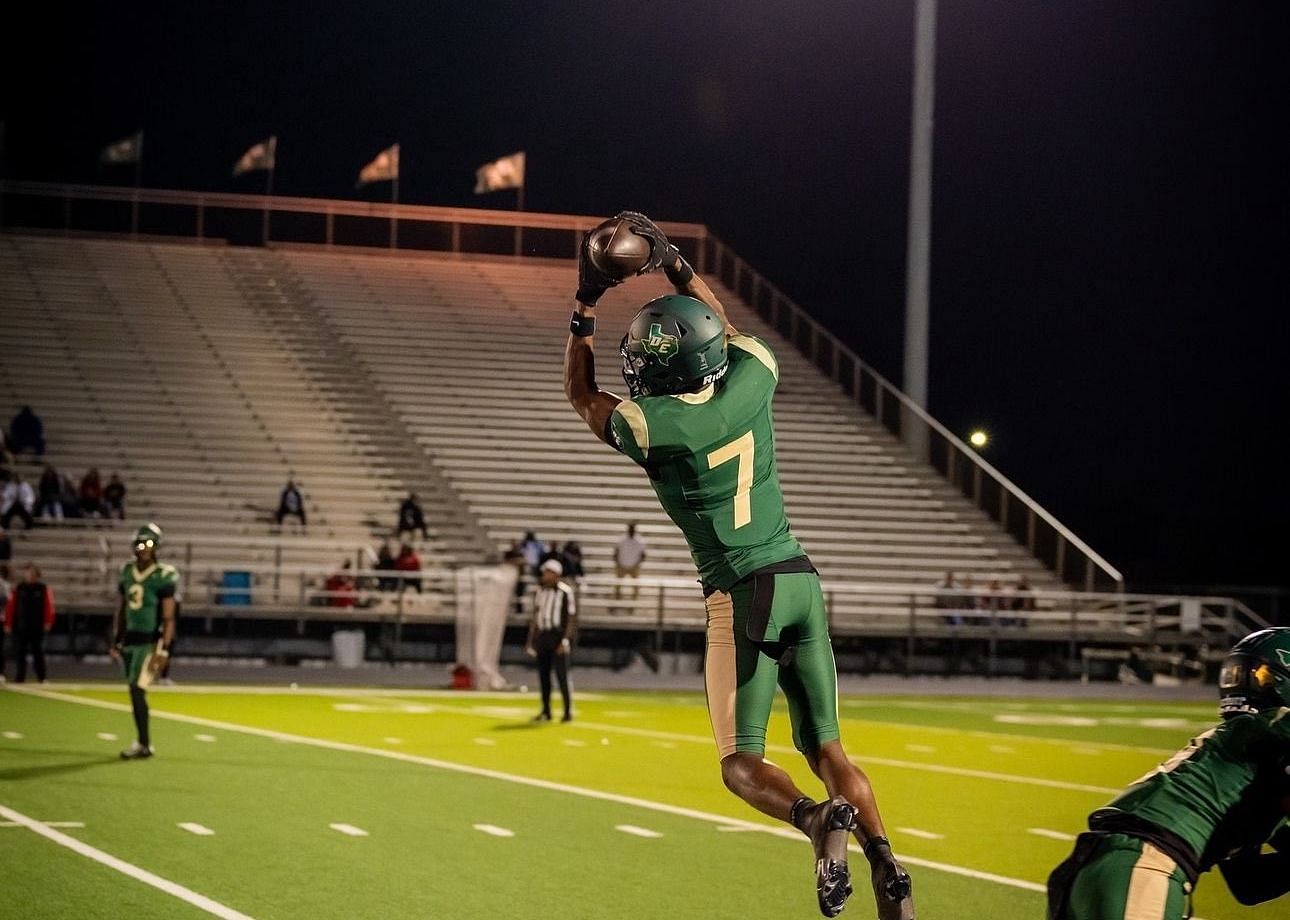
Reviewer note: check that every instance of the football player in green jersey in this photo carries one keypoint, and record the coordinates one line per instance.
(143, 627)
(699, 421)
(1218, 801)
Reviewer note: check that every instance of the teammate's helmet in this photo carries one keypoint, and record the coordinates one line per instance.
(147, 537)
(1256, 673)
(674, 345)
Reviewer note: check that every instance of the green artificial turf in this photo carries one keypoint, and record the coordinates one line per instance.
(963, 783)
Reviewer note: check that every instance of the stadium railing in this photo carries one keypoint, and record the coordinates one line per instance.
(329, 223)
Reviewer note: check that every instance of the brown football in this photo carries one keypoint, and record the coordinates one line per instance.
(616, 251)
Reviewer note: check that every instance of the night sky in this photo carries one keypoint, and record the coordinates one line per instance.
(1110, 245)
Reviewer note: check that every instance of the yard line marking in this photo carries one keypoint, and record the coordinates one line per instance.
(349, 830)
(486, 742)
(1001, 749)
(667, 745)
(206, 738)
(46, 823)
(199, 901)
(1045, 832)
(1086, 751)
(264, 690)
(13, 736)
(920, 748)
(106, 736)
(735, 830)
(925, 835)
(636, 831)
(392, 740)
(200, 830)
(493, 830)
(574, 742)
(532, 781)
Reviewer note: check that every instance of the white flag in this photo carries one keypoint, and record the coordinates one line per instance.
(382, 169)
(508, 172)
(261, 156)
(127, 150)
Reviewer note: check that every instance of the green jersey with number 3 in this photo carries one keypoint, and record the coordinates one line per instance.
(710, 456)
(143, 591)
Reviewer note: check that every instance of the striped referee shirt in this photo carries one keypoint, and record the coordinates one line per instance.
(552, 607)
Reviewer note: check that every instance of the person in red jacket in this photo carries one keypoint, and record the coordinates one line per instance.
(409, 561)
(28, 615)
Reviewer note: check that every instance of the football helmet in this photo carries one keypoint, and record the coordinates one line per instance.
(1256, 673)
(676, 344)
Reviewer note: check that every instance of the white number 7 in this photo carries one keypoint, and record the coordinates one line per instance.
(741, 448)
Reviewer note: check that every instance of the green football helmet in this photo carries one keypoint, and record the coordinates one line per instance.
(1256, 673)
(676, 344)
(147, 537)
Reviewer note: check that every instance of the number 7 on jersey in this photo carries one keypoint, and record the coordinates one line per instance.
(740, 448)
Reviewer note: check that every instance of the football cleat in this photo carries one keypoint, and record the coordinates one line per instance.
(542, 717)
(137, 751)
(893, 890)
(829, 825)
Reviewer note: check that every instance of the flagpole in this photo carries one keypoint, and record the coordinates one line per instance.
(519, 230)
(394, 221)
(138, 180)
(268, 195)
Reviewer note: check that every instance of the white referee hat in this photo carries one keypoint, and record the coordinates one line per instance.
(553, 565)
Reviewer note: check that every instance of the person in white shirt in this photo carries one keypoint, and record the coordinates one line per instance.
(17, 499)
(629, 553)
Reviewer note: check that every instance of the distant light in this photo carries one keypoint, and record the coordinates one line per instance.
(978, 439)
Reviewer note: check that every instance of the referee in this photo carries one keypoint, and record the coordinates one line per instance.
(551, 634)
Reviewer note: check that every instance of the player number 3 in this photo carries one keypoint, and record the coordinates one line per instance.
(134, 597)
(740, 448)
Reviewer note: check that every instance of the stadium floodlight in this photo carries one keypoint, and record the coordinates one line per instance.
(978, 438)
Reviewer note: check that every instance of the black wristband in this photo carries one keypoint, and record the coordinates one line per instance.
(582, 326)
(680, 273)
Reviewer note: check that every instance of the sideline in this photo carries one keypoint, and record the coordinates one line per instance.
(173, 889)
(548, 785)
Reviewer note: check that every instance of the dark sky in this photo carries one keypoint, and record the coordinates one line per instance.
(1110, 244)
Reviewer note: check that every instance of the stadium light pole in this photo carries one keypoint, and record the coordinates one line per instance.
(919, 243)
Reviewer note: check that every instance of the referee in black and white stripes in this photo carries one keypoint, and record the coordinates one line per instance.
(551, 634)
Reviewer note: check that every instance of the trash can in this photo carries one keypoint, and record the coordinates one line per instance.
(235, 590)
(348, 647)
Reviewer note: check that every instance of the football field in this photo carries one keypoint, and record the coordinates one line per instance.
(278, 803)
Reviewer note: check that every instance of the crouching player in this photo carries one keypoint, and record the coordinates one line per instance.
(1217, 802)
(143, 627)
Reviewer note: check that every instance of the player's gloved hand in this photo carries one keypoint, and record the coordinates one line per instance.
(663, 254)
(592, 282)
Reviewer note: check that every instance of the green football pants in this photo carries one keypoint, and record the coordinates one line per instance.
(1128, 878)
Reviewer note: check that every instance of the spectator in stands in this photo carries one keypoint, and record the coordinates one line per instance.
(991, 602)
(291, 502)
(341, 590)
(114, 498)
(28, 616)
(17, 499)
(385, 563)
(27, 431)
(532, 549)
(629, 553)
(571, 559)
(1023, 597)
(91, 494)
(948, 601)
(49, 499)
(409, 561)
(411, 518)
(69, 497)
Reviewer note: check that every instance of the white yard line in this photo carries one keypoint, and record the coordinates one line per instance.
(925, 835)
(392, 740)
(106, 736)
(1052, 835)
(348, 830)
(205, 738)
(493, 830)
(13, 736)
(66, 824)
(534, 782)
(636, 831)
(573, 742)
(486, 742)
(920, 748)
(173, 889)
(200, 830)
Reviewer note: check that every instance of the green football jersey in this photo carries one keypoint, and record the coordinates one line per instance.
(1198, 790)
(143, 591)
(710, 456)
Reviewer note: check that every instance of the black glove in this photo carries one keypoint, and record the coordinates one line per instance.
(592, 282)
(663, 254)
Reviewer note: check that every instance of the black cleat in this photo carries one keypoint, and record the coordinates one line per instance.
(893, 890)
(542, 717)
(829, 825)
(137, 751)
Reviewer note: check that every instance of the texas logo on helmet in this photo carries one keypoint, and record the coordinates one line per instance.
(1284, 655)
(660, 343)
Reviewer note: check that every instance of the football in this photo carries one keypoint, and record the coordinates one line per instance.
(616, 251)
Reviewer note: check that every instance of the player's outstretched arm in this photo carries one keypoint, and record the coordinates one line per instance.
(580, 388)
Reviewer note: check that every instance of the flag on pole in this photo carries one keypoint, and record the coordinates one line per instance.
(382, 169)
(127, 150)
(260, 156)
(508, 172)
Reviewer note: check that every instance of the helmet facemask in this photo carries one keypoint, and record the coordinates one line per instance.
(1248, 684)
